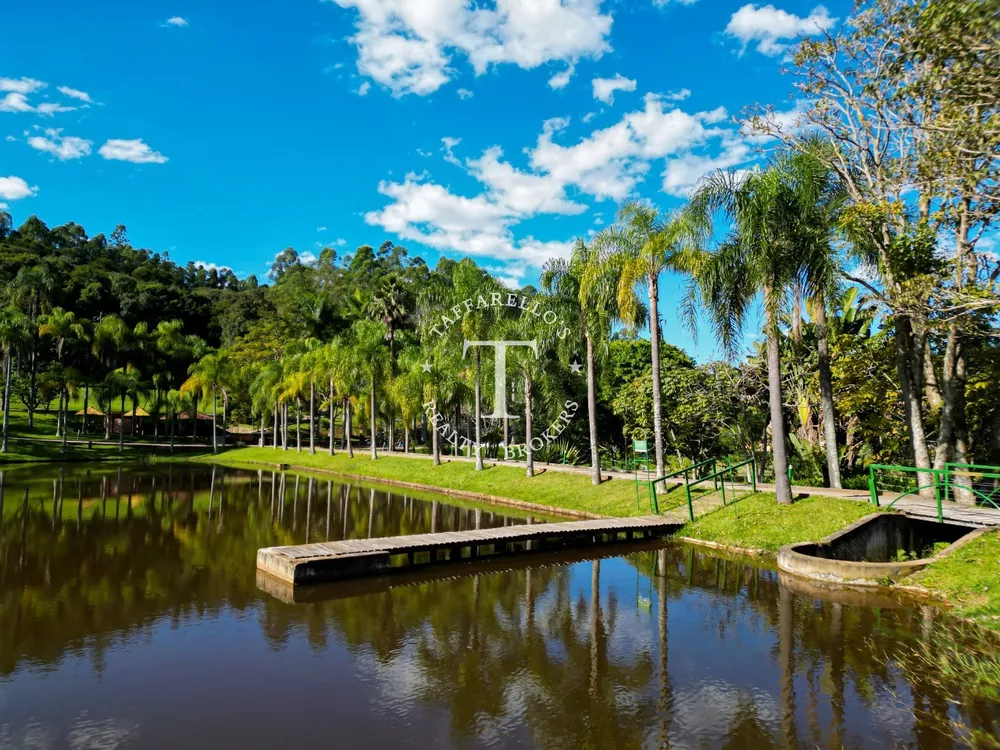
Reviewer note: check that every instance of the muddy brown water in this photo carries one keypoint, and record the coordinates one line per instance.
(130, 617)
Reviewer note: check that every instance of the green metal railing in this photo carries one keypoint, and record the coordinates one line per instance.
(718, 477)
(942, 482)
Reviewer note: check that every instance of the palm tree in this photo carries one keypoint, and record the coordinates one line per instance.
(61, 325)
(263, 395)
(31, 291)
(211, 373)
(641, 245)
(368, 339)
(758, 258)
(110, 338)
(589, 288)
(123, 381)
(14, 330)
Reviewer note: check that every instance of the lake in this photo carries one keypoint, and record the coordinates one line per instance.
(131, 617)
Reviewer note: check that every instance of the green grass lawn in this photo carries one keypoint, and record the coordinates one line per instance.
(969, 579)
(759, 522)
(555, 489)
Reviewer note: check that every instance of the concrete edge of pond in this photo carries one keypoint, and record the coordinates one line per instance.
(746, 551)
(462, 494)
(791, 560)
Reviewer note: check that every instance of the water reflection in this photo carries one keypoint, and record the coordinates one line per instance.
(130, 616)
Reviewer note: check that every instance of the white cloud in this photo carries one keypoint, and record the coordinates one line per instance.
(135, 151)
(15, 101)
(340, 242)
(408, 46)
(768, 25)
(464, 94)
(679, 95)
(664, 3)
(15, 188)
(364, 88)
(175, 21)
(21, 85)
(3, 206)
(320, 229)
(588, 117)
(605, 88)
(61, 147)
(50, 108)
(561, 79)
(605, 164)
(83, 96)
(10, 139)
(211, 266)
(447, 145)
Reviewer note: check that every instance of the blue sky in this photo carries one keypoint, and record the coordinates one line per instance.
(224, 132)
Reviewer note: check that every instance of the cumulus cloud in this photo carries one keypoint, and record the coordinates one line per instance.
(21, 85)
(464, 94)
(560, 174)
(410, 46)
(561, 80)
(364, 88)
(48, 109)
(175, 21)
(134, 150)
(15, 188)
(679, 95)
(15, 101)
(768, 26)
(605, 88)
(59, 146)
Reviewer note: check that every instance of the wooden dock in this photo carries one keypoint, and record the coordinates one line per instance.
(332, 561)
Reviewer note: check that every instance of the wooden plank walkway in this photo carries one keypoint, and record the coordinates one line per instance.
(328, 561)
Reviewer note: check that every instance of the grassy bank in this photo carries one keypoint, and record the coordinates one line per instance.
(558, 490)
(760, 523)
(969, 579)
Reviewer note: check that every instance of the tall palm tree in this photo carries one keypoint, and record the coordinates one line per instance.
(61, 325)
(109, 340)
(14, 330)
(589, 288)
(123, 381)
(641, 245)
(31, 291)
(263, 395)
(757, 259)
(368, 339)
(211, 373)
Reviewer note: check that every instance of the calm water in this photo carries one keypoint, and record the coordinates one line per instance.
(130, 616)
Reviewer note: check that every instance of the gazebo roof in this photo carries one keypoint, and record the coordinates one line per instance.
(90, 412)
(140, 412)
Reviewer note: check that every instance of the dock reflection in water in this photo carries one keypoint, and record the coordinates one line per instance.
(130, 616)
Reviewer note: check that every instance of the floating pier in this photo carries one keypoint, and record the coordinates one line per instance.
(352, 558)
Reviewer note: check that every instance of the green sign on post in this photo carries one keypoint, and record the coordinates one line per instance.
(640, 446)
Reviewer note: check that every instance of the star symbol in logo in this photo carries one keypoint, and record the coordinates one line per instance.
(576, 367)
(426, 367)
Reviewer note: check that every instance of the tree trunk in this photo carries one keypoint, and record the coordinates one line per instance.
(910, 389)
(215, 416)
(263, 424)
(6, 402)
(595, 458)
(435, 442)
(86, 407)
(654, 341)
(946, 429)
(786, 664)
(121, 427)
(194, 424)
(782, 487)
(374, 450)
(331, 417)
(347, 427)
(478, 416)
(65, 424)
(275, 425)
(312, 418)
(529, 461)
(298, 425)
(826, 394)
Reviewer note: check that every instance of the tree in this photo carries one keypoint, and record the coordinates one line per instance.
(640, 246)
(210, 374)
(62, 325)
(758, 257)
(368, 340)
(14, 331)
